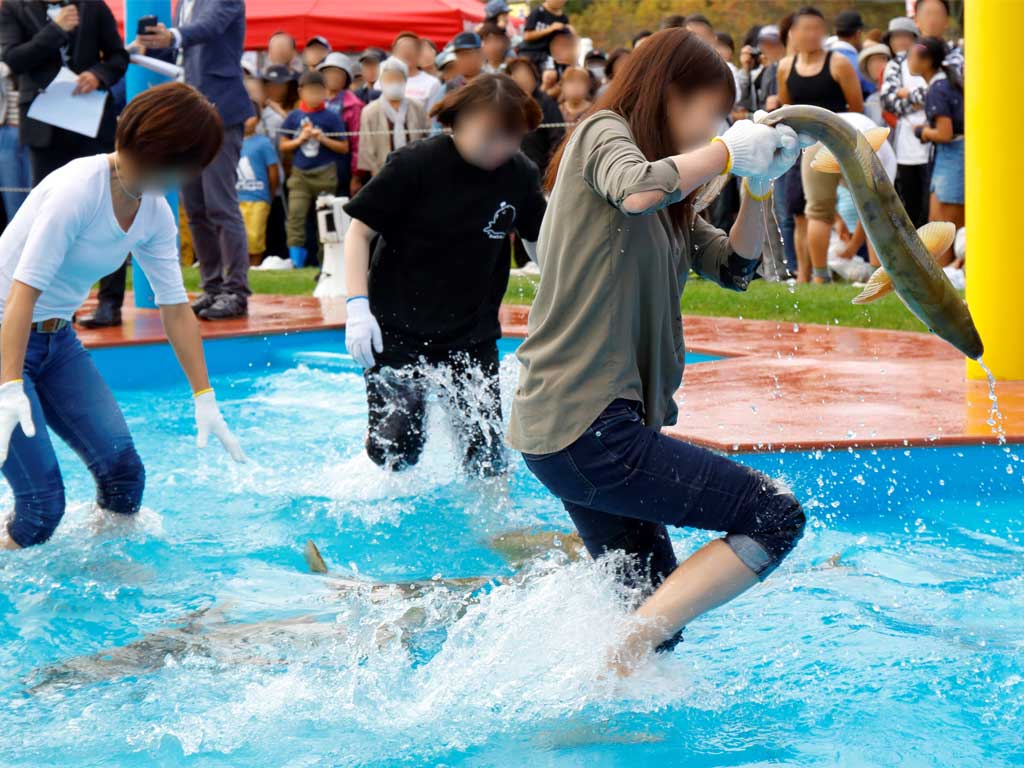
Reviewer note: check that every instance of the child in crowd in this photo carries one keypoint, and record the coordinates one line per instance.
(258, 177)
(495, 46)
(576, 102)
(871, 62)
(543, 22)
(563, 45)
(337, 71)
(315, 158)
(944, 106)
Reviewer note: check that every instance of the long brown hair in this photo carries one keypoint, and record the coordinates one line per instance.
(673, 59)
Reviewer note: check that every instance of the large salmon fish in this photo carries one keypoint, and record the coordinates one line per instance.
(907, 255)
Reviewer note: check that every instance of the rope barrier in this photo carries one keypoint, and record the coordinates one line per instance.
(338, 134)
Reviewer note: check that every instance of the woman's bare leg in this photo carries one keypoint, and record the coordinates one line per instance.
(711, 577)
(818, 235)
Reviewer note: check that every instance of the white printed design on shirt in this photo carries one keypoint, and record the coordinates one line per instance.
(246, 179)
(501, 222)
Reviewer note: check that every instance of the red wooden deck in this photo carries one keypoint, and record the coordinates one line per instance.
(815, 387)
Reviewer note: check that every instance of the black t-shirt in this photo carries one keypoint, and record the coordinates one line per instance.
(540, 18)
(440, 267)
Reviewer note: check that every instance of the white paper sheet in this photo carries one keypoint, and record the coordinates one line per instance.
(57, 106)
(173, 71)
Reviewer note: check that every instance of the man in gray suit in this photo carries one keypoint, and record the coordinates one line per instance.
(208, 37)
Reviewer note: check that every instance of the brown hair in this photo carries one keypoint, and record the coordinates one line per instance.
(673, 59)
(517, 111)
(170, 125)
(576, 73)
(522, 61)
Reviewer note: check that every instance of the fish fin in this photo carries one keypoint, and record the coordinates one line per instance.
(879, 285)
(709, 192)
(313, 558)
(876, 136)
(825, 162)
(937, 236)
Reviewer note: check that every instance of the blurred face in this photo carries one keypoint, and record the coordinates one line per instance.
(250, 125)
(694, 119)
(555, 5)
(254, 87)
(154, 181)
(771, 50)
(575, 89)
(427, 54)
(392, 85)
(276, 92)
(524, 79)
(408, 50)
(900, 41)
(703, 31)
(280, 50)
(918, 62)
(875, 67)
(482, 141)
(563, 49)
(469, 62)
(808, 34)
(724, 51)
(335, 79)
(313, 95)
(931, 18)
(495, 48)
(370, 70)
(313, 55)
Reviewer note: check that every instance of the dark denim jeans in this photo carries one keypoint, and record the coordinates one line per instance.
(69, 397)
(622, 483)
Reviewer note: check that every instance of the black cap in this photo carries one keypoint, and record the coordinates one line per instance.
(318, 40)
(278, 73)
(595, 55)
(848, 22)
(373, 53)
(465, 41)
(311, 78)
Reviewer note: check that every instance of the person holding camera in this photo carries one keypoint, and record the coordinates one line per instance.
(758, 72)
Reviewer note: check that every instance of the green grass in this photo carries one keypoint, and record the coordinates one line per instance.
(825, 304)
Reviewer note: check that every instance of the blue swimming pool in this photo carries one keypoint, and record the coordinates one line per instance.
(894, 634)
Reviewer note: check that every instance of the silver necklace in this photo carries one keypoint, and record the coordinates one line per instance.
(117, 175)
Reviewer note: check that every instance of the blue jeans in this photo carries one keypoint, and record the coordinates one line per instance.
(14, 169)
(69, 396)
(622, 483)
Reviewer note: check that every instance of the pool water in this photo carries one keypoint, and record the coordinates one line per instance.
(893, 635)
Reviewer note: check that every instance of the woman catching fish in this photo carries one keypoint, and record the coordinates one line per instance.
(604, 354)
(79, 224)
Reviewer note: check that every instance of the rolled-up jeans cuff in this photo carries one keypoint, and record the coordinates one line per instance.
(753, 555)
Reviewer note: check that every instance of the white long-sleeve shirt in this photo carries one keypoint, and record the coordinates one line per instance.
(65, 237)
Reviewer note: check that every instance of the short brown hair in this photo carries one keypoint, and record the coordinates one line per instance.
(498, 93)
(170, 126)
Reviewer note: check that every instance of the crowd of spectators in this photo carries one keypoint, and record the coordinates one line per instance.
(311, 120)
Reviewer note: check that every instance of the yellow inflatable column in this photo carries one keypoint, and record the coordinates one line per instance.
(995, 184)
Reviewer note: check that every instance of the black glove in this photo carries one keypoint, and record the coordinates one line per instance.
(737, 273)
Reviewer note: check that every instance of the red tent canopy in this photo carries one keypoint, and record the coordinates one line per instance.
(351, 25)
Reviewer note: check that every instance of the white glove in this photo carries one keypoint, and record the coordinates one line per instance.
(751, 147)
(362, 333)
(784, 157)
(209, 419)
(15, 409)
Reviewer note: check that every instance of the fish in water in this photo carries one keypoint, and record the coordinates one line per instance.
(908, 256)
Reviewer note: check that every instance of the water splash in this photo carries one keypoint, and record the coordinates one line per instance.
(995, 416)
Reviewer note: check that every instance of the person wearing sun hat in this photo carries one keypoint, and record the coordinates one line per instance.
(903, 97)
(871, 63)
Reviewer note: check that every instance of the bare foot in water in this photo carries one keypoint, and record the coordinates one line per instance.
(6, 542)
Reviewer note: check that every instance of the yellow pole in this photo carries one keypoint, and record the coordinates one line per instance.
(994, 177)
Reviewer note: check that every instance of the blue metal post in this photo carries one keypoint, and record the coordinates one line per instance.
(137, 80)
